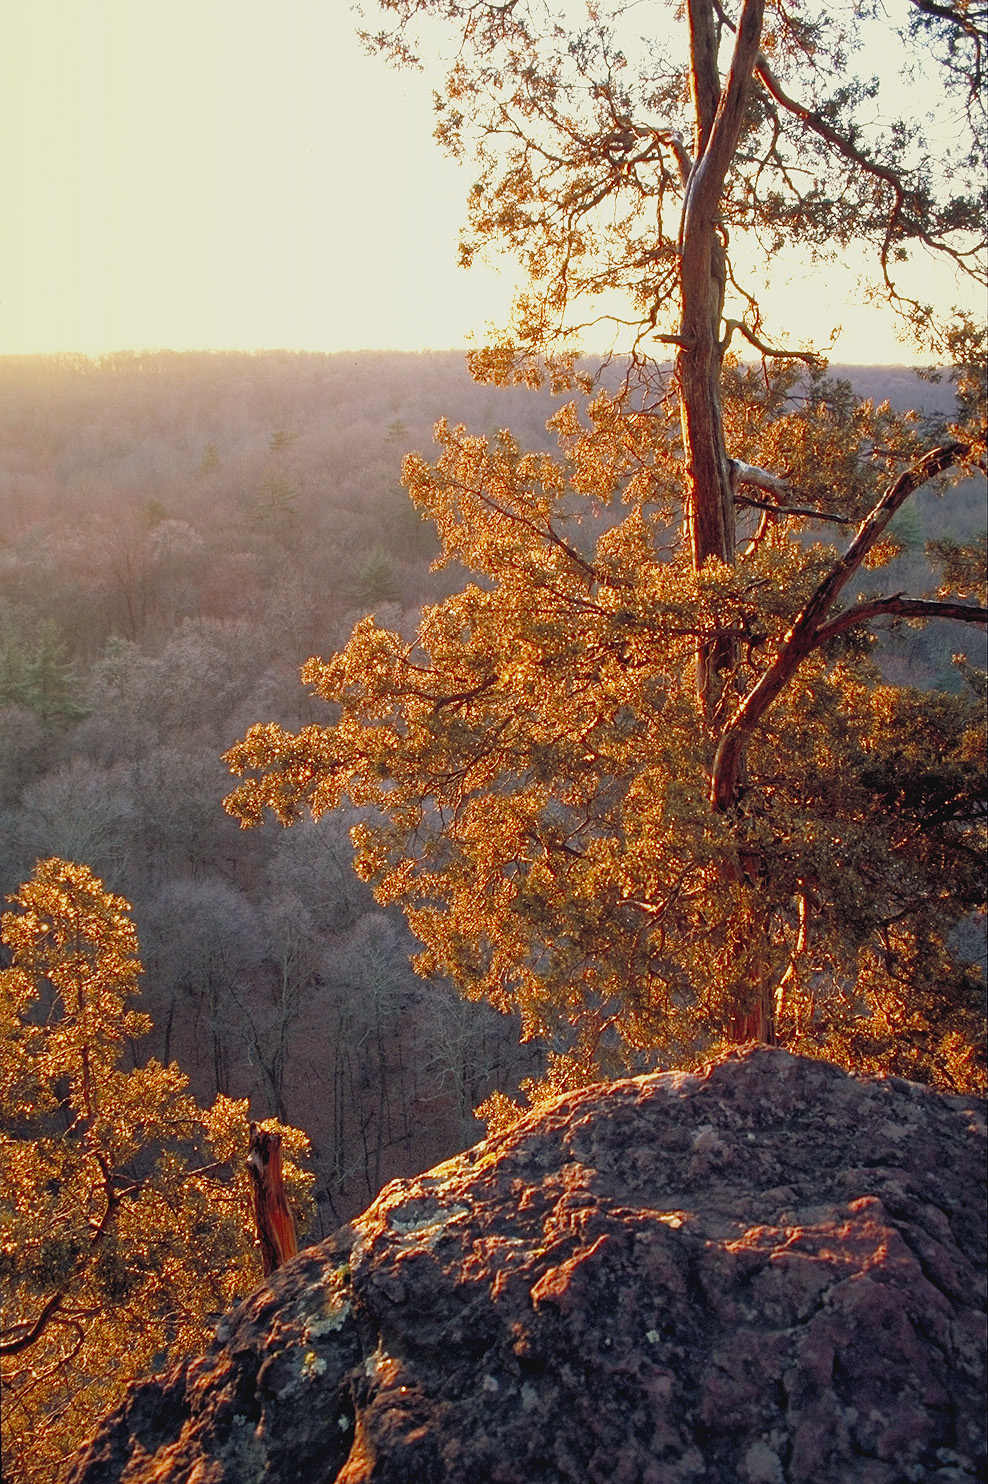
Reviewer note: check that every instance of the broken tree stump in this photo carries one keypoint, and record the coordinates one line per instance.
(275, 1227)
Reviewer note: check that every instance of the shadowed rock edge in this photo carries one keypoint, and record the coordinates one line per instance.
(771, 1271)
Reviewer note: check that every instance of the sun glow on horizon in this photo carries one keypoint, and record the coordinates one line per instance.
(239, 175)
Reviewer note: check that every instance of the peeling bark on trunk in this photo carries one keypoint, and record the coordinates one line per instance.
(719, 114)
(710, 474)
(275, 1228)
(710, 511)
(710, 500)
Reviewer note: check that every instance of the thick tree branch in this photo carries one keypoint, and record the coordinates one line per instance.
(802, 636)
(900, 607)
(956, 15)
(710, 172)
(761, 479)
(704, 76)
(838, 520)
(709, 496)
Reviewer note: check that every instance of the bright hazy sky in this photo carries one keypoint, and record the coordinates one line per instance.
(236, 174)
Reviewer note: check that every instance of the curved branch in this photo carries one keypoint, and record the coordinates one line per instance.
(809, 356)
(900, 607)
(820, 125)
(802, 636)
(817, 122)
(33, 1331)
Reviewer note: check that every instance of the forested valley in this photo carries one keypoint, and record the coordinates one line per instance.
(180, 532)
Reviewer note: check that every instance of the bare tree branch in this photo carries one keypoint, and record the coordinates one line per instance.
(761, 479)
(838, 520)
(809, 356)
(33, 1332)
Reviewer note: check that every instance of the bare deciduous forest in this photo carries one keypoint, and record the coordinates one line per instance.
(178, 534)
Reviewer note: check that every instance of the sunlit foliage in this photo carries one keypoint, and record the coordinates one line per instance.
(640, 780)
(536, 765)
(125, 1224)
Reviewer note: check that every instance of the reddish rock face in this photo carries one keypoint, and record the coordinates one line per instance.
(770, 1273)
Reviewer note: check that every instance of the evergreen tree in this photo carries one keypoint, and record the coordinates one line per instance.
(375, 577)
(40, 677)
(640, 779)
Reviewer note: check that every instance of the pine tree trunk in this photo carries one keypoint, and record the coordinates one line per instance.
(718, 118)
(719, 115)
(709, 494)
(710, 498)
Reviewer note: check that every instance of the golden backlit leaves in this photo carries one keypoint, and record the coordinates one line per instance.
(535, 769)
(125, 1221)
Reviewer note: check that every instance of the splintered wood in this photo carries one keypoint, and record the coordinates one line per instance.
(275, 1228)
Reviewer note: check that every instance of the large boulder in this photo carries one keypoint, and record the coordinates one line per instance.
(770, 1272)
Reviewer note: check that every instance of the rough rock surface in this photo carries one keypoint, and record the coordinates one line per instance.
(770, 1273)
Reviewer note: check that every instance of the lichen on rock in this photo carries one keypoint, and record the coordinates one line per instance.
(772, 1272)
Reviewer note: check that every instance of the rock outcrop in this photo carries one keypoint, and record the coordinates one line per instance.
(771, 1272)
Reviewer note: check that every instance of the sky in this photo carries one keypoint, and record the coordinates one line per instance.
(237, 174)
